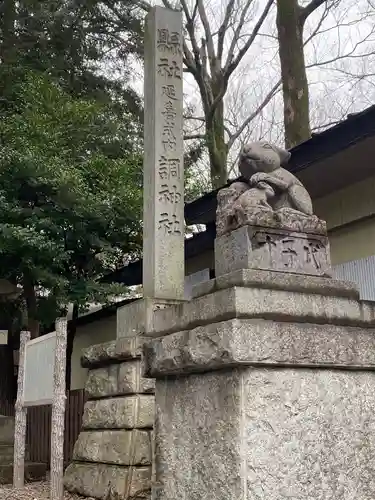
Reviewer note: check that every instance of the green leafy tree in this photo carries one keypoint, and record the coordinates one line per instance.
(86, 45)
(70, 197)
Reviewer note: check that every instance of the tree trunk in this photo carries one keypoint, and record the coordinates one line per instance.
(293, 73)
(69, 346)
(8, 18)
(217, 147)
(32, 306)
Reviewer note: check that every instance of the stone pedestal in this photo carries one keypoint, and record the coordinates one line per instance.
(112, 456)
(255, 247)
(265, 389)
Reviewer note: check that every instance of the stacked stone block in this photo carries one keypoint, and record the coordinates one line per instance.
(112, 456)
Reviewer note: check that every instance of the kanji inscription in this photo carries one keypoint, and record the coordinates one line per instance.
(169, 168)
(169, 224)
(169, 68)
(163, 228)
(169, 41)
(294, 253)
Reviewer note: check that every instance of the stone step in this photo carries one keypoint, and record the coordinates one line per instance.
(6, 453)
(33, 472)
(6, 430)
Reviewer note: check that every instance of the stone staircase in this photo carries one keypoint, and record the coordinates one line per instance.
(33, 471)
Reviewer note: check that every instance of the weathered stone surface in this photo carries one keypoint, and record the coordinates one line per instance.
(130, 379)
(119, 413)
(309, 434)
(114, 447)
(258, 433)
(278, 281)
(163, 170)
(244, 213)
(102, 382)
(198, 438)
(6, 430)
(259, 342)
(101, 480)
(226, 197)
(117, 379)
(109, 352)
(251, 303)
(136, 318)
(272, 249)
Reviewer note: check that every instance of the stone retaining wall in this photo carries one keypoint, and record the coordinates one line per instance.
(112, 457)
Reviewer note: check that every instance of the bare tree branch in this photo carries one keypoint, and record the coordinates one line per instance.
(309, 9)
(266, 100)
(237, 33)
(325, 125)
(233, 63)
(189, 137)
(223, 29)
(209, 39)
(203, 120)
(318, 26)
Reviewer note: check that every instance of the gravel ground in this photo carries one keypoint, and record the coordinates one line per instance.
(32, 491)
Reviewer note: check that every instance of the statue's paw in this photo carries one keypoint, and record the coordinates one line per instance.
(258, 177)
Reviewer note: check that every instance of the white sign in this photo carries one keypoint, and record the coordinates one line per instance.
(39, 369)
(3, 337)
(41, 380)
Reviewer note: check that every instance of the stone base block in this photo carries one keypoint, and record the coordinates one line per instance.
(117, 379)
(271, 303)
(250, 247)
(111, 352)
(119, 413)
(108, 481)
(273, 280)
(273, 434)
(260, 343)
(120, 447)
(136, 318)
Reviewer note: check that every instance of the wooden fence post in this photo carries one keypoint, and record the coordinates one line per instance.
(20, 418)
(58, 412)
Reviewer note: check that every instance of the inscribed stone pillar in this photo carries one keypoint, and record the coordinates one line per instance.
(163, 224)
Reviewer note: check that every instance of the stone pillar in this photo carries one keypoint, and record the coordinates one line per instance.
(265, 385)
(112, 455)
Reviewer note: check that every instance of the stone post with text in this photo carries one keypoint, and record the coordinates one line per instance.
(163, 224)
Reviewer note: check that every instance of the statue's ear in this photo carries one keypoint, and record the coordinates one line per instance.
(284, 155)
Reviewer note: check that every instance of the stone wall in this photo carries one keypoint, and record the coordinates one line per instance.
(113, 454)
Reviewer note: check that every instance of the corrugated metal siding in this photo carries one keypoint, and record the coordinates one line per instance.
(361, 272)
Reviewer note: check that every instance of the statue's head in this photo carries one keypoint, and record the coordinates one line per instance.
(261, 157)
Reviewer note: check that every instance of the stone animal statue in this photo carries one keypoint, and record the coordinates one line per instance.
(259, 196)
(268, 188)
(262, 162)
